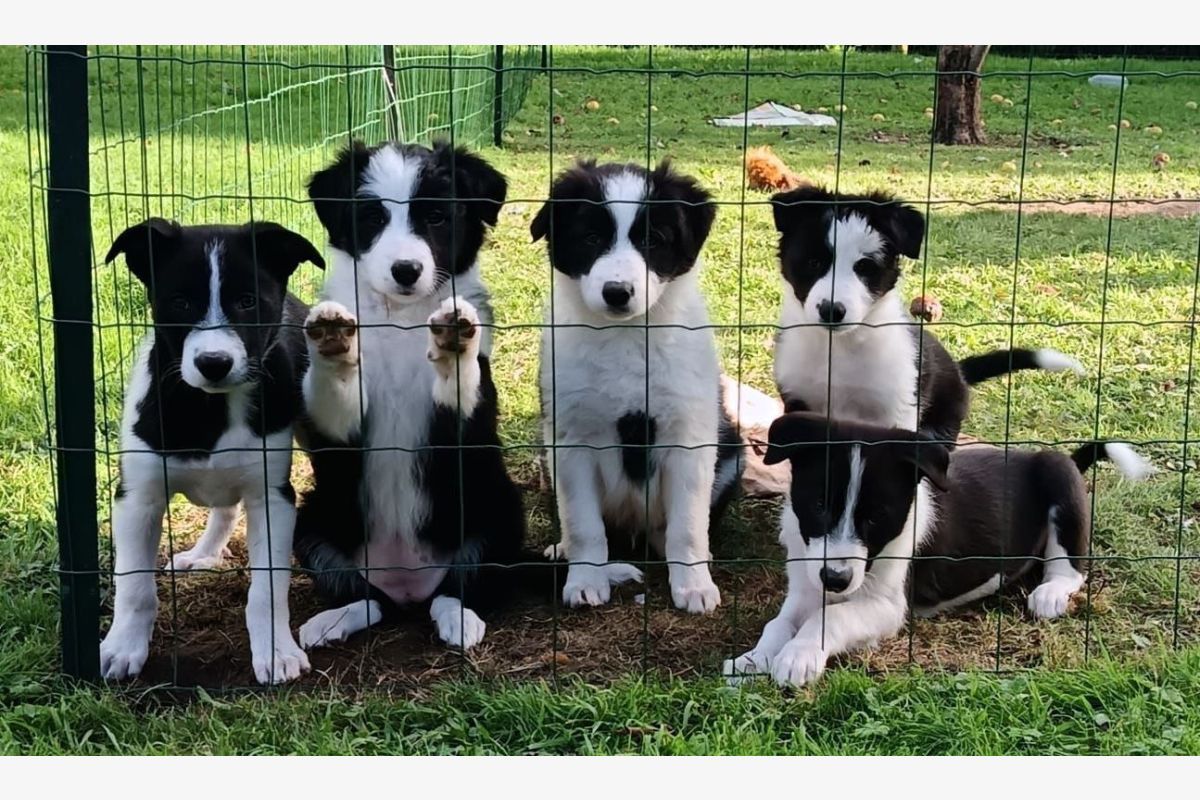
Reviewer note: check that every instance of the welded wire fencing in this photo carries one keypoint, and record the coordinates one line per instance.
(1075, 228)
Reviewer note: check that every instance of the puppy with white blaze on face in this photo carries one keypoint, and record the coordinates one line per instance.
(866, 499)
(630, 383)
(847, 344)
(410, 491)
(208, 414)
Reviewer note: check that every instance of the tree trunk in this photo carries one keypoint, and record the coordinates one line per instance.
(958, 96)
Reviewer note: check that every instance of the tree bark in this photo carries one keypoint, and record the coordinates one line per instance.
(959, 106)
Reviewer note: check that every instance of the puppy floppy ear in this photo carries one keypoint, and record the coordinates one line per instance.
(694, 203)
(146, 244)
(792, 208)
(540, 227)
(792, 431)
(332, 188)
(906, 226)
(479, 187)
(931, 459)
(280, 251)
(573, 184)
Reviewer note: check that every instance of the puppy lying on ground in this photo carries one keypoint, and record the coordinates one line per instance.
(871, 508)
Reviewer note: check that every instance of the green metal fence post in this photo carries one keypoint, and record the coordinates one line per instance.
(498, 98)
(393, 98)
(69, 251)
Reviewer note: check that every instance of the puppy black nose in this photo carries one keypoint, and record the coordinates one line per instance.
(835, 580)
(831, 313)
(406, 272)
(617, 293)
(213, 365)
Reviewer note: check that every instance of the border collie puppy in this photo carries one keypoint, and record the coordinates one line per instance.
(411, 493)
(208, 414)
(630, 383)
(847, 344)
(865, 499)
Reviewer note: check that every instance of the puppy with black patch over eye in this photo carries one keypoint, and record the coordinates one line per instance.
(410, 490)
(208, 414)
(847, 344)
(865, 500)
(630, 382)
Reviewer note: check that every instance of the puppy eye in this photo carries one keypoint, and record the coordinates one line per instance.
(180, 303)
(864, 265)
(435, 217)
(372, 215)
(247, 302)
(656, 238)
(592, 239)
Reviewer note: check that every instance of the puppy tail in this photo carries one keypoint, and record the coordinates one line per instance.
(977, 369)
(1127, 460)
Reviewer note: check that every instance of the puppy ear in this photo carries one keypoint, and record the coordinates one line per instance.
(573, 183)
(332, 188)
(279, 250)
(694, 203)
(906, 226)
(792, 431)
(146, 244)
(791, 208)
(540, 227)
(931, 459)
(477, 184)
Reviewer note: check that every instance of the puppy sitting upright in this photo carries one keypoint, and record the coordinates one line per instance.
(411, 493)
(630, 382)
(872, 508)
(847, 345)
(208, 414)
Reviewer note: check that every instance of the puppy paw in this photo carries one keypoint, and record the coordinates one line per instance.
(332, 333)
(556, 552)
(1052, 598)
(586, 585)
(196, 559)
(453, 331)
(692, 588)
(123, 653)
(619, 573)
(737, 671)
(457, 626)
(798, 663)
(283, 662)
(326, 627)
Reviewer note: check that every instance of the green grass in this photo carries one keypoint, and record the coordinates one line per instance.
(1056, 282)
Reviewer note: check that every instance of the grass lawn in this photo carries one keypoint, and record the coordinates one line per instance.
(1121, 675)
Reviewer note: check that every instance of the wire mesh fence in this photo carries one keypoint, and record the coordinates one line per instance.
(1069, 230)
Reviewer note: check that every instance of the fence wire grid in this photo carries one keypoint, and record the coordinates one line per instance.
(1069, 229)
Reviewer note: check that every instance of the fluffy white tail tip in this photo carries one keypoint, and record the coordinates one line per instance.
(1054, 361)
(1127, 460)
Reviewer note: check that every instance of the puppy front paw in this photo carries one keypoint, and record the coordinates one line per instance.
(692, 588)
(799, 662)
(453, 331)
(332, 333)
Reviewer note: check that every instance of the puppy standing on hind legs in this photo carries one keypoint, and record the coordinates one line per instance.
(212, 395)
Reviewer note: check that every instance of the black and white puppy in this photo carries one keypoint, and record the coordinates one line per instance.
(847, 345)
(411, 494)
(866, 499)
(208, 414)
(630, 382)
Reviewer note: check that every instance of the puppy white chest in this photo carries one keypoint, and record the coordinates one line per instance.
(868, 374)
(398, 383)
